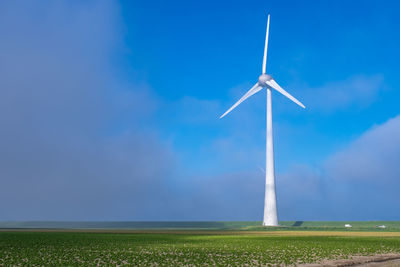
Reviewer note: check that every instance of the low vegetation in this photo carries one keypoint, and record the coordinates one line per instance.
(391, 226)
(219, 248)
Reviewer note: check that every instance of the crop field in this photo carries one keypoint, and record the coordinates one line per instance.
(392, 226)
(190, 248)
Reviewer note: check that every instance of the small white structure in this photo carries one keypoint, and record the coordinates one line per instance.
(381, 226)
(348, 225)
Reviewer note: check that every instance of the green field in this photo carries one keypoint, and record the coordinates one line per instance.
(77, 248)
(392, 226)
(191, 243)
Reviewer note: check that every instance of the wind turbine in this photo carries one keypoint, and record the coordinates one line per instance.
(266, 81)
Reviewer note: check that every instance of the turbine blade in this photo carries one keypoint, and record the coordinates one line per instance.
(276, 86)
(249, 93)
(264, 67)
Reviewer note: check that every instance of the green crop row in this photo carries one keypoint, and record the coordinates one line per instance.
(90, 249)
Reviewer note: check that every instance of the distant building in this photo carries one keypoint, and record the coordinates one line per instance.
(347, 225)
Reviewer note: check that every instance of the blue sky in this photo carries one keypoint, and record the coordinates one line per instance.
(109, 110)
(203, 50)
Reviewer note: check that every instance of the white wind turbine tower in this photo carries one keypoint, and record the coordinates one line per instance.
(266, 81)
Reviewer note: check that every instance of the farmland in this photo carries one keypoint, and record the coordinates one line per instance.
(392, 226)
(188, 247)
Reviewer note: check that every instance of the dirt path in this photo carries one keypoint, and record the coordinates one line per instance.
(376, 260)
(389, 263)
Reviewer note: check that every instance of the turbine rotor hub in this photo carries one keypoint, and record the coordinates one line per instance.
(262, 80)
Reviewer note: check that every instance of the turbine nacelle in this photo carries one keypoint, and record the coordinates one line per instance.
(263, 79)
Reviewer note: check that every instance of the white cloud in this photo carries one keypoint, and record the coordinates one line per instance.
(374, 156)
(360, 181)
(357, 91)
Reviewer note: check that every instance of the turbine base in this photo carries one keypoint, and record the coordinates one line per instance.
(270, 224)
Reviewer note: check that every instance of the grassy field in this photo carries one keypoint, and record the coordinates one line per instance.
(222, 248)
(392, 226)
(191, 243)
